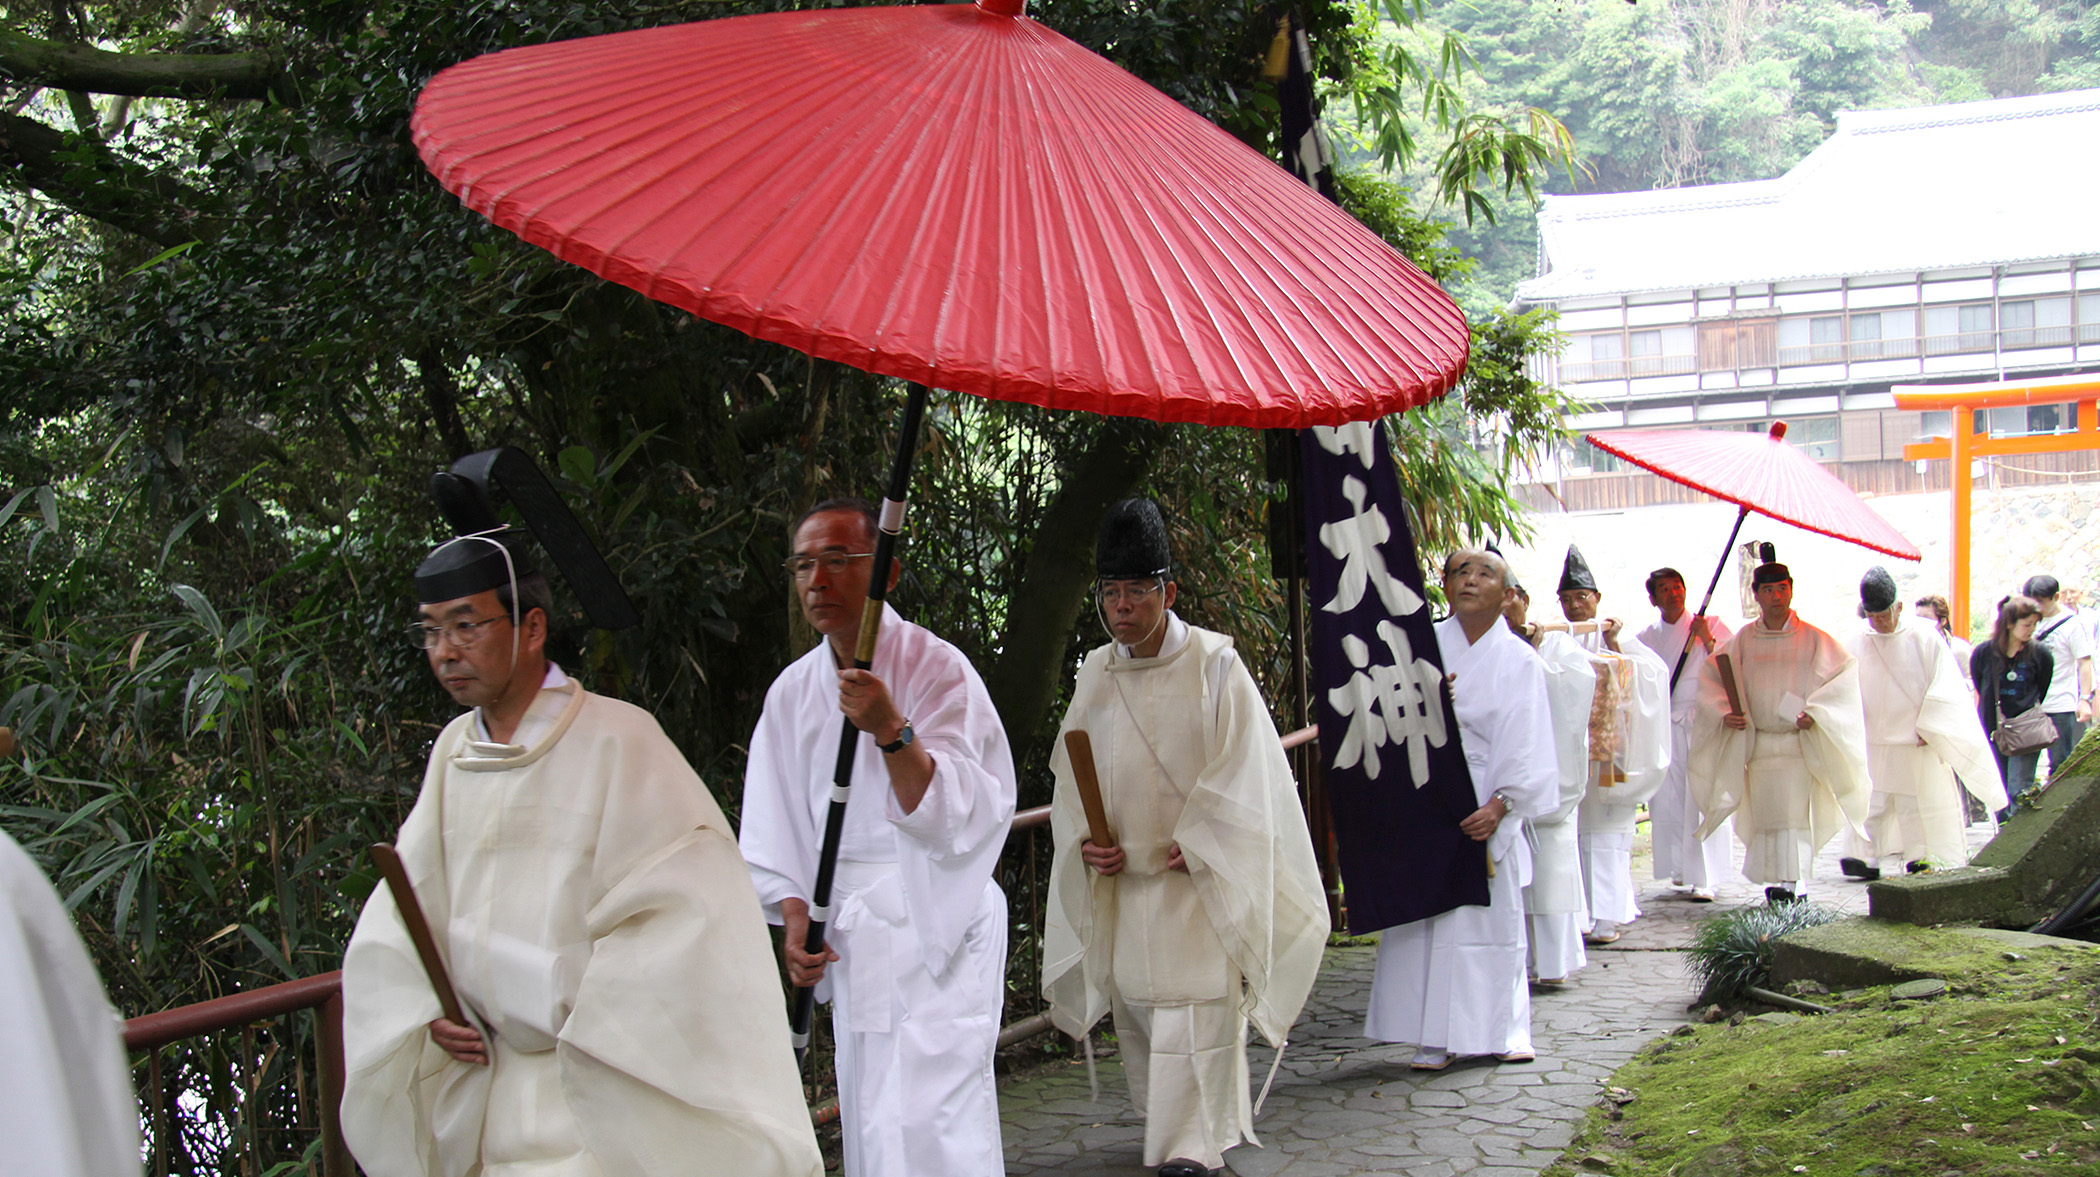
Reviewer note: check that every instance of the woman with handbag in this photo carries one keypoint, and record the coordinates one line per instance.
(2011, 673)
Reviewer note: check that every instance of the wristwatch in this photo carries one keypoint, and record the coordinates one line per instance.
(1506, 807)
(897, 745)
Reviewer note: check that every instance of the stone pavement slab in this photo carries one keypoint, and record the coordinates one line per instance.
(1343, 1105)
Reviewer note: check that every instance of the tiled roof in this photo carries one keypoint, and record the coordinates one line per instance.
(1933, 187)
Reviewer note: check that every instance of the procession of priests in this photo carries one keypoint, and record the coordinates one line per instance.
(1922, 737)
(589, 903)
(1202, 911)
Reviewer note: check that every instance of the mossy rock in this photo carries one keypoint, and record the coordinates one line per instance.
(1857, 953)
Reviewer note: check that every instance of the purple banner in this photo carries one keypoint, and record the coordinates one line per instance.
(1397, 782)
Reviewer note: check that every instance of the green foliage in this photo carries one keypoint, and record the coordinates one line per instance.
(1999, 1077)
(1732, 953)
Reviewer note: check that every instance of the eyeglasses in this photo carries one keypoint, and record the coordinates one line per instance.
(1111, 595)
(833, 563)
(462, 634)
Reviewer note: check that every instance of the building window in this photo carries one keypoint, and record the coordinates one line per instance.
(1976, 328)
(1866, 336)
(1738, 343)
(2016, 319)
(1817, 437)
(1647, 349)
(1826, 339)
(1588, 459)
(1607, 347)
(1935, 423)
(2088, 328)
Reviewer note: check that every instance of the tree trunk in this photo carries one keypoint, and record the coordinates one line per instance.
(1039, 621)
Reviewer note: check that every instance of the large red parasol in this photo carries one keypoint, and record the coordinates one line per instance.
(1757, 472)
(950, 194)
(953, 195)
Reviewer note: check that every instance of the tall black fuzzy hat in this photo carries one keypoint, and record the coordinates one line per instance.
(1877, 590)
(1133, 543)
(485, 554)
(1575, 572)
(1771, 571)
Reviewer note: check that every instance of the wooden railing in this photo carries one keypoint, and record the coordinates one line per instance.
(324, 995)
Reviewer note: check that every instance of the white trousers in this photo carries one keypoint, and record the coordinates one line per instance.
(1674, 817)
(1456, 981)
(1916, 809)
(1556, 945)
(1607, 874)
(528, 1130)
(916, 1097)
(1187, 1069)
(1774, 819)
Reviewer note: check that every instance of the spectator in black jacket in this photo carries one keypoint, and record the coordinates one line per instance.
(2012, 673)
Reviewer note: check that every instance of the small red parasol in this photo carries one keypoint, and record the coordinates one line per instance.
(950, 194)
(1757, 472)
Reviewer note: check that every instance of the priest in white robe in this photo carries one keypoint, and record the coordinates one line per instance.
(1791, 765)
(587, 898)
(915, 959)
(1923, 735)
(1686, 861)
(1556, 903)
(1205, 911)
(1454, 983)
(66, 1107)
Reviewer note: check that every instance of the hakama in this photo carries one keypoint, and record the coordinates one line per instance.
(1556, 902)
(1674, 819)
(1456, 981)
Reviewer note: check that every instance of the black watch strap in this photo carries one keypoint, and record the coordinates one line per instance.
(903, 737)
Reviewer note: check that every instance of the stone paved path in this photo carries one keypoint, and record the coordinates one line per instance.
(1344, 1105)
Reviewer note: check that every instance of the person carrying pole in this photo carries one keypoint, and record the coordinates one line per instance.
(619, 1013)
(1697, 863)
(1199, 908)
(915, 926)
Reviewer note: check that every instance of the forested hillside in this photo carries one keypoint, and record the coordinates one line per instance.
(1666, 93)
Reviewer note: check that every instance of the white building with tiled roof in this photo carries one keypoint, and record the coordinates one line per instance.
(1937, 243)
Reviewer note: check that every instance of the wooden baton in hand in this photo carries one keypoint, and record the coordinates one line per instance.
(389, 864)
(1727, 672)
(1080, 749)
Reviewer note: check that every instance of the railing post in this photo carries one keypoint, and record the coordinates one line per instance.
(328, 1040)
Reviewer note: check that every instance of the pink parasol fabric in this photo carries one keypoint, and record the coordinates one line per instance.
(1761, 472)
(949, 195)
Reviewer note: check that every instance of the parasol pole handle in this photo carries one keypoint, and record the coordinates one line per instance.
(1741, 514)
(888, 528)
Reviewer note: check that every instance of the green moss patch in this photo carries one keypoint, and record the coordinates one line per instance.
(1998, 1077)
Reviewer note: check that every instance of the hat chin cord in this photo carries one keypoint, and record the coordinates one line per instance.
(1101, 611)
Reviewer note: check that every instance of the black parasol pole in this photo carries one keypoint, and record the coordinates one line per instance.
(889, 527)
(1741, 514)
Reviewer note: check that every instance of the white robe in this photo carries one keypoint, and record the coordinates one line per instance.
(1186, 755)
(66, 1107)
(1699, 863)
(1556, 901)
(1789, 790)
(1456, 981)
(919, 924)
(1911, 689)
(1617, 789)
(597, 921)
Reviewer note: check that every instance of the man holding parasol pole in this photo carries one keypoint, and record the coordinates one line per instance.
(915, 962)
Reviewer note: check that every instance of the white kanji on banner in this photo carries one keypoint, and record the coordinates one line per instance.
(1355, 542)
(1392, 703)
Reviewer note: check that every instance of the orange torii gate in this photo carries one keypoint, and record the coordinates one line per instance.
(1966, 444)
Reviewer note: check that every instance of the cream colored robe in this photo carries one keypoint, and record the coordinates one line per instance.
(1611, 805)
(1911, 689)
(66, 1108)
(600, 926)
(1790, 791)
(1555, 900)
(1186, 754)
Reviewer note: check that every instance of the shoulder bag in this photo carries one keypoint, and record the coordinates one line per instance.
(2030, 731)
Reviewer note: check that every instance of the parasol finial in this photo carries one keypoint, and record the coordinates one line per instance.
(1778, 431)
(1002, 7)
